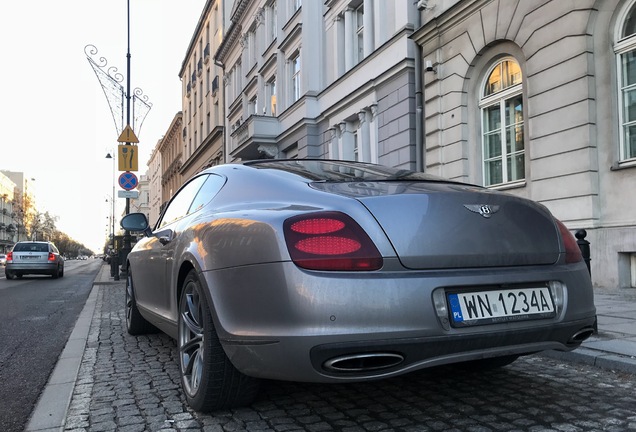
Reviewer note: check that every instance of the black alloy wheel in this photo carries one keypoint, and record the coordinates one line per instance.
(209, 380)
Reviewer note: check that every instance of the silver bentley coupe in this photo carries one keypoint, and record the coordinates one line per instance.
(338, 271)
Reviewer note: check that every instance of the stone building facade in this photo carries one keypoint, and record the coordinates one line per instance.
(202, 124)
(538, 98)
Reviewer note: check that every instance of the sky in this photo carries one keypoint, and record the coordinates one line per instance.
(56, 123)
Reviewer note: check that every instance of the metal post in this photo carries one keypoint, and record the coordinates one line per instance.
(584, 246)
(114, 254)
(127, 246)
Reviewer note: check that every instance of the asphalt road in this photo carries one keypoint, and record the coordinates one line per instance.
(37, 315)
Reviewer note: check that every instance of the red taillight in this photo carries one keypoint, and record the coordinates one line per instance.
(572, 250)
(330, 241)
(51, 256)
(10, 256)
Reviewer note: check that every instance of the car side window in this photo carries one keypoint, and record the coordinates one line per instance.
(210, 188)
(181, 202)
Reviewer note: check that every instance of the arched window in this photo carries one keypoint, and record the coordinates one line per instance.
(501, 105)
(625, 49)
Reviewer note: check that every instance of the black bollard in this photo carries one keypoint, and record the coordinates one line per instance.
(114, 266)
(584, 246)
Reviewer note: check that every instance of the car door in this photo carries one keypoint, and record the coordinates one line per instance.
(151, 268)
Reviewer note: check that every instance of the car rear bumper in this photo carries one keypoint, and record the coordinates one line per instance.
(276, 321)
(39, 268)
(295, 358)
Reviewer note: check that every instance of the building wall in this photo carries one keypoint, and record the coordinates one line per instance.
(570, 110)
(202, 100)
(8, 227)
(361, 50)
(171, 150)
(154, 184)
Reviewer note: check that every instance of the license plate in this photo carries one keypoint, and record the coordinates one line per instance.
(489, 307)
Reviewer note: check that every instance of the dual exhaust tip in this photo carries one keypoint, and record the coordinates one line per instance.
(363, 362)
(370, 362)
(581, 335)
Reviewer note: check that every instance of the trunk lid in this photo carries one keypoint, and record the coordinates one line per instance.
(438, 225)
(30, 253)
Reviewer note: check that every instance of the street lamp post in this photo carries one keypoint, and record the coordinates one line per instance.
(136, 102)
(114, 256)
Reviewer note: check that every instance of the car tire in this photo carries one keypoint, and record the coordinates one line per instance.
(208, 378)
(56, 273)
(135, 323)
(62, 272)
(9, 275)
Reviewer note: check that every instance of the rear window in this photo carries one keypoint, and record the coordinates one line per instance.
(325, 170)
(31, 247)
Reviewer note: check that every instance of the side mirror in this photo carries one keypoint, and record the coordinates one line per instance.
(136, 222)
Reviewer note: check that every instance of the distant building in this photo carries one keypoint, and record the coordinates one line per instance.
(8, 225)
(23, 206)
(154, 183)
(142, 203)
(203, 99)
(171, 150)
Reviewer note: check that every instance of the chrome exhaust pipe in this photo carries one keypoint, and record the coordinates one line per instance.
(365, 362)
(581, 335)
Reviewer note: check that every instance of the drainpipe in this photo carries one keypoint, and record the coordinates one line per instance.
(419, 101)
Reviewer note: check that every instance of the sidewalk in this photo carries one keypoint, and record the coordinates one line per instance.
(613, 348)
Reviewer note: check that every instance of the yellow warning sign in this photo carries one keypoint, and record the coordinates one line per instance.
(128, 136)
(127, 157)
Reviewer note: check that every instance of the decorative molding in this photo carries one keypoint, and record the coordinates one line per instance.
(362, 116)
(259, 16)
(342, 128)
(269, 150)
(374, 110)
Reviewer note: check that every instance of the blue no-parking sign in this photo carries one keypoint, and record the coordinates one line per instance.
(128, 180)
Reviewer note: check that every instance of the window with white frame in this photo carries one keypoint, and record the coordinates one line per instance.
(356, 150)
(253, 105)
(359, 36)
(501, 105)
(295, 77)
(625, 49)
(271, 21)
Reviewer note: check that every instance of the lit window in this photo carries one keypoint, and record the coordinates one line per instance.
(272, 96)
(501, 105)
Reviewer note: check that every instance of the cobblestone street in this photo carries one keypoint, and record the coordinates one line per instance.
(131, 383)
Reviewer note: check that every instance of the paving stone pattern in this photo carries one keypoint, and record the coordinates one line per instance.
(130, 384)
